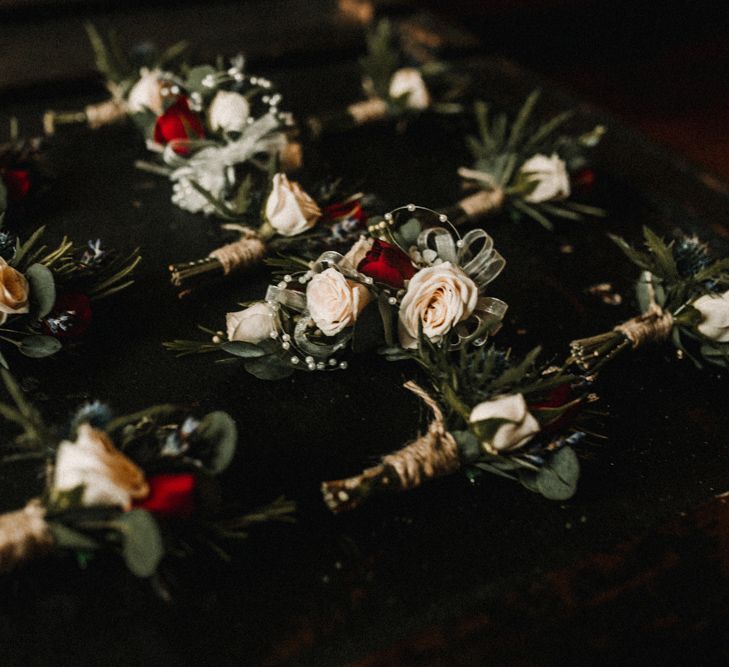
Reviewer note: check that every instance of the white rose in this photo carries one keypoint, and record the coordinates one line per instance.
(439, 297)
(108, 477)
(335, 302)
(146, 94)
(289, 209)
(521, 427)
(714, 310)
(357, 253)
(550, 175)
(14, 291)
(253, 324)
(228, 112)
(408, 81)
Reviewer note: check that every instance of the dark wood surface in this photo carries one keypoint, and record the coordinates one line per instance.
(453, 573)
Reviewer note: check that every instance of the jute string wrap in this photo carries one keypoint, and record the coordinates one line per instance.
(482, 203)
(24, 534)
(245, 252)
(654, 325)
(105, 113)
(368, 110)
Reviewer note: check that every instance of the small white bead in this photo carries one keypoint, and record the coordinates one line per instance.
(309, 360)
(294, 360)
(443, 218)
(411, 207)
(265, 99)
(282, 285)
(274, 334)
(302, 279)
(388, 216)
(238, 76)
(320, 366)
(459, 243)
(287, 278)
(311, 367)
(254, 80)
(285, 345)
(392, 301)
(286, 337)
(343, 365)
(382, 225)
(368, 280)
(217, 340)
(332, 362)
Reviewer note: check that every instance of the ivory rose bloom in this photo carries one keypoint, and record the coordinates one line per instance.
(408, 81)
(289, 209)
(550, 175)
(521, 427)
(14, 291)
(146, 93)
(335, 302)
(253, 324)
(714, 310)
(228, 112)
(108, 477)
(439, 297)
(357, 253)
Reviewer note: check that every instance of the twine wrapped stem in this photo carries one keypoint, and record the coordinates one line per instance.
(431, 455)
(24, 534)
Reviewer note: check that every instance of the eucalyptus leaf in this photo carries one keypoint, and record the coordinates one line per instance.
(557, 480)
(407, 233)
(68, 538)
(142, 546)
(195, 77)
(42, 290)
(269, 367)
(468, 445)
(38, 346)
(219, 429)
(242, 349)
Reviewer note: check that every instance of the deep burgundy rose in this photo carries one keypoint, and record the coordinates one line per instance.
(171, 495)
(557, 398)
(583, 180)
(70, 318)
(386, 263)
(17, 183)
(344, 211)
(178, 122)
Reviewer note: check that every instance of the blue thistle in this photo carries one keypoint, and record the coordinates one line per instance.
(96, 414)
(7, 245)
(691, 255)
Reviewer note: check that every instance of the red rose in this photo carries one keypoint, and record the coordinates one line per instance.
(557, 398)
(171, 495)
(70, 318)
(17, 182)
(178, 123)
(584, 179)
(343, 211)
(386, 263)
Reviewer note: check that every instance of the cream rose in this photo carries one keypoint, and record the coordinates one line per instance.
(550, 175)
(357, 253)
(335, 302)
(107, 476)
(408, 81)
(439, 297)
(253, 324)
(521, 427)
(14, 292)
(146, 93)
(289, 209)
(228, 112)
(714, 311)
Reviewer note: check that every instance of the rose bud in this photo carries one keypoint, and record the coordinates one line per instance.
(252, 324)
(343, 211)
(289, 210)
(520, 425)
(178, 123)
(408, 81)
(228, 112)
(550, 176)
(714, 309)
(557, 398)
(386, 263)
(171, 495)
(17, 182)
(70, 318)
(14, 292)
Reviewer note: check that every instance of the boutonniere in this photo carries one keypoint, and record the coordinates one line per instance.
(526, 169)
(141, 485)
(683, 293)
(395, 88)
(284, 219)
(423, 281)
(491, 413)
(47, 293)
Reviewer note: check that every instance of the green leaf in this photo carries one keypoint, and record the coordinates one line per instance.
(665, 264)
(219, 429)
(142, 546)
(240, 348)
(557, 480)
(638, 258)
(521, 120)
(468, 445)
(407, 233)
(38, 346)
(68, 538)
(269, 367)
(3, 361)
(42, 290)
(195, 78)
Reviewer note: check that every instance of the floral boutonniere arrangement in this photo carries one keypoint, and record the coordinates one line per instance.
(526, 169)
(683, 295)
(142, 485)
(491, 413)
(46, 294)
(423, 281)
(283, 220)
(395, 88)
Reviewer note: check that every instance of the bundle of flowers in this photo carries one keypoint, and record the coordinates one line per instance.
(491, 413)
(525, 168)
(396, 87)
(142, 485)
(683, 293)
(46, 294)
(380, 295)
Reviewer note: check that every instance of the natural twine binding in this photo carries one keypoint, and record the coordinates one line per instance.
(105, 113)
(24, 534)
(654, 325)
(433, 454)
(243, 253)
(482, 203)
(368, 110)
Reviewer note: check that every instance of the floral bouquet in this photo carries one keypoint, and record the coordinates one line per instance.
(683, 295)
(424, 281)
(394, 89)
(286, 220)
(46, 293)
(491, 413)
(524, 168)
(142, 485)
